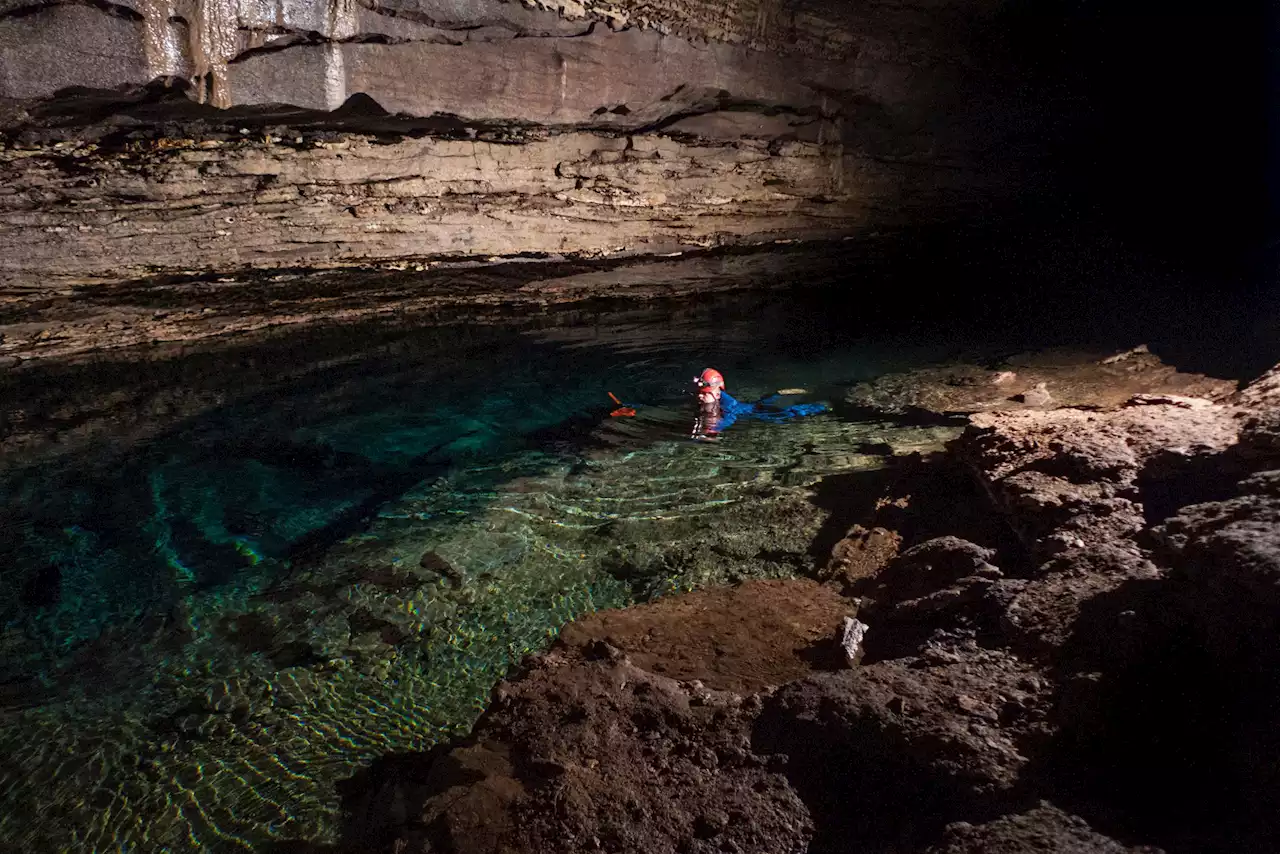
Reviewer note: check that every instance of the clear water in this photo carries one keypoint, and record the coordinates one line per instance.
(282, 559)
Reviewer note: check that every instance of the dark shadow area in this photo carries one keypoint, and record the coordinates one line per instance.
(1170, 742)
(911, 417)
(919, 498)
(383, 802)
(1172, 154)
(1035, 277)
(863, 783)
(1171, 481)
(824, 655)
(850, 499)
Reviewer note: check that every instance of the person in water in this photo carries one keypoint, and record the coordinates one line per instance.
(717, 409)
(711, 400)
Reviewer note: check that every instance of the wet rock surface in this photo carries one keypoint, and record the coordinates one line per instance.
(862, 553)
(1098, 682)
(1043, 380)
(1069, 479)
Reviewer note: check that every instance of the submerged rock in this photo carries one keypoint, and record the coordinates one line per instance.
(1037, 396)
(433, 562)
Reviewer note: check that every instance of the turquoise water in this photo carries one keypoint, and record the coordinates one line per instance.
(235, 576)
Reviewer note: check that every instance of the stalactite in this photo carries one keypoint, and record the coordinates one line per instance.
(221, 29)
(214, 40)
(164, 53)
(341, 19)
(341, 24)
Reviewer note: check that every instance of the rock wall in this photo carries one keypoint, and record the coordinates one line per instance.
(359, 200)
(211, 41)
(148, 136)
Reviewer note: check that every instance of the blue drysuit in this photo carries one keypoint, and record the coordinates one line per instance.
(711, 423)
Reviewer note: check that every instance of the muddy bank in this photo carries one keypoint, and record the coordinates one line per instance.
(1077, 658)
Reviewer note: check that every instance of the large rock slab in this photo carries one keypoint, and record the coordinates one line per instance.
(1047, 380)
(739, 639)
(1073, 479)
(948, 724)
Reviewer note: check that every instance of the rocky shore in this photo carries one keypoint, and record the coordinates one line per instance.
(1078, 656)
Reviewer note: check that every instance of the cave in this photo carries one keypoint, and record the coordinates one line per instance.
(639, 425)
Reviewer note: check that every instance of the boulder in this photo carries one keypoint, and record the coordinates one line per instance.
(1044, 829)
(862, 553)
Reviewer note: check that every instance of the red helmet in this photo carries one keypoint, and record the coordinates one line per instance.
(711, 378)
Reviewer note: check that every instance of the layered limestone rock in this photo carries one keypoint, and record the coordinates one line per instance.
(170, 135)
(358, 200)
(231, 49)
